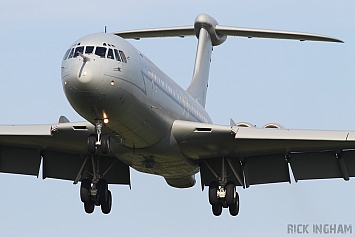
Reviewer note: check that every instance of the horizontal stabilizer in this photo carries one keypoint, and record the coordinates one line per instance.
(276, 34)
(180, 31)
(183, 31)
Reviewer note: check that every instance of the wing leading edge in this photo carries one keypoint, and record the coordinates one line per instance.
(264, 155)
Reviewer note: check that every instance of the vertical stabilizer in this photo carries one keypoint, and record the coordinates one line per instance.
(205, 30)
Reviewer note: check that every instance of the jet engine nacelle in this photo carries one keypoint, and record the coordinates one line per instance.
(273, 125)
(245, 125)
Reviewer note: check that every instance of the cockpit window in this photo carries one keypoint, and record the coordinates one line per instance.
(89, 49)
(100, 51)
(66, 54)
(71, 53)
(110, 54)
(117, 55)
(123, 57)
(78, 50)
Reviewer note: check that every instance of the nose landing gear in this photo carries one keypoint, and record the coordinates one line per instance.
(98, 139)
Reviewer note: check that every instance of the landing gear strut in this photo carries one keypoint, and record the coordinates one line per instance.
(95, 192)
(98, 139)
(223, 194)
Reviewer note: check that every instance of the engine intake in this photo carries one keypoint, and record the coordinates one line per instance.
(273, 125)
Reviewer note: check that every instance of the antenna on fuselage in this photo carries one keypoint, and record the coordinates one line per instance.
(105, 29)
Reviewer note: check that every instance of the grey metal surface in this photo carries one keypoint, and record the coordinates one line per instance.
(221, 31)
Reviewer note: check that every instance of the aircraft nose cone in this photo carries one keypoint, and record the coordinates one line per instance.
(85, 76)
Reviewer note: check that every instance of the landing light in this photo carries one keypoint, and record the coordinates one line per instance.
(106, 120)
(112, 83)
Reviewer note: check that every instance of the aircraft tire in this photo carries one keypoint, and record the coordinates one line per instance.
(217, 209)
(212, 193)
(105, 144)
(102, 191)
(92, 144)
(85, 190)
(106, 206)
(89, 206)
(230, 192)
(234, 209)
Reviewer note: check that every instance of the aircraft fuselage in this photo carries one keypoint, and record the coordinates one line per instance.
(105, 77)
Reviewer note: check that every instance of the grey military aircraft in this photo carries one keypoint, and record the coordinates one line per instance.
(139, 117)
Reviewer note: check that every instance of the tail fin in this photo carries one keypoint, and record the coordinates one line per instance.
(204, 28)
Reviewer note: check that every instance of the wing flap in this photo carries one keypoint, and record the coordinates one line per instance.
(20, 161)
(315, 165)
(74, 167)
(60, 165)
(266, 169)
(349, 159)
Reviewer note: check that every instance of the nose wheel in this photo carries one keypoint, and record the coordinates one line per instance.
(98, 140)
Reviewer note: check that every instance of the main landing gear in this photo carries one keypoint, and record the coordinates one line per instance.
(223, 194)
(95, 192)
(223, 197)
(98, 139)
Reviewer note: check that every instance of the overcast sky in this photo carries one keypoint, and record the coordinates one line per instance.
(296, 84)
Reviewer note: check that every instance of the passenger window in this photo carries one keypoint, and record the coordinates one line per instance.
(123, 57)
(89, 49)
(71, 53)
(117, 55)
(110, 54)
(66, 54)
(100, 51)
(78, 50)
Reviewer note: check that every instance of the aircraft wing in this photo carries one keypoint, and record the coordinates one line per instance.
(265, 155)
(61, 148)
(183, 31)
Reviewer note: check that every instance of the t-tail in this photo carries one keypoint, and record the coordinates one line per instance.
(205, 30)
(210, 34)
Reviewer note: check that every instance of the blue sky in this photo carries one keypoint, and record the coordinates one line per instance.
(296, 84)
